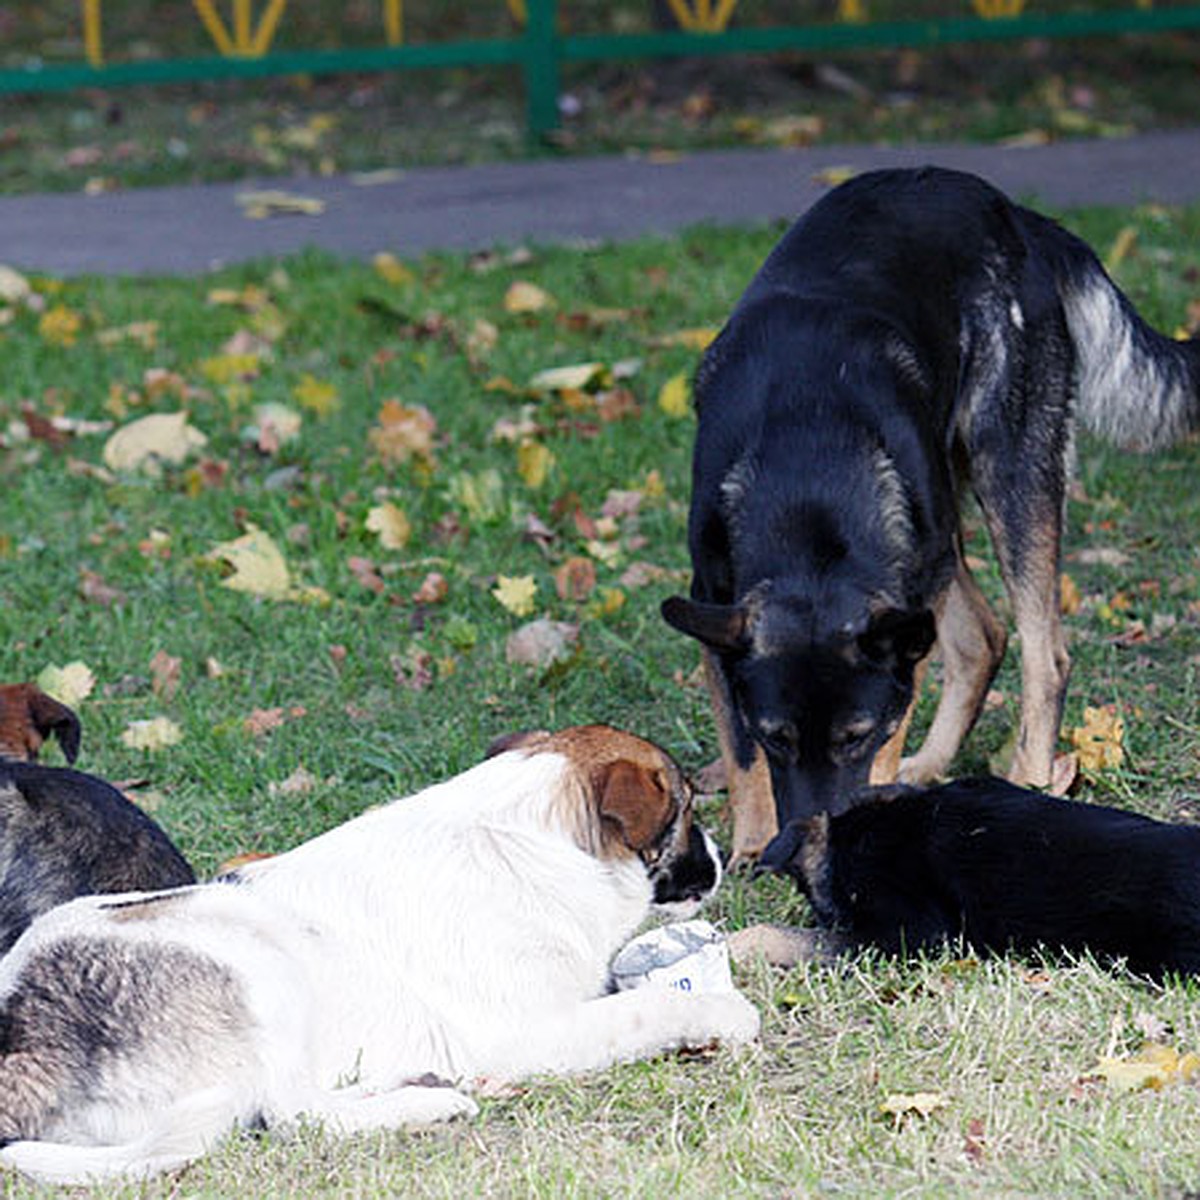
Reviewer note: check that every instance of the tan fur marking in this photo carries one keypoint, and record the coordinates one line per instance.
(750, 796)
(27, 715)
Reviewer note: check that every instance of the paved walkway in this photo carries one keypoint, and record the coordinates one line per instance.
(190, 229)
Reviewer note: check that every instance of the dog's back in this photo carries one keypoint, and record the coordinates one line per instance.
(1005, 868)
(64, 833)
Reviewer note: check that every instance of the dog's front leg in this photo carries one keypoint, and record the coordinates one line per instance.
(750, 794)
(971, 641)
(628, 1026)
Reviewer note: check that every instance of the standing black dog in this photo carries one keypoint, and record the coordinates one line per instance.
(1001, 868)
(914, 336)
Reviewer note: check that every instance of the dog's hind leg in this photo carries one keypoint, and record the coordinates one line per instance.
(971, 640)
(357, 1110)
(1045, 664)
(750, 794)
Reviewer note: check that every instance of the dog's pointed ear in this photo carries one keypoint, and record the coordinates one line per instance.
(899, 638)
(718, 626)
(633, 801)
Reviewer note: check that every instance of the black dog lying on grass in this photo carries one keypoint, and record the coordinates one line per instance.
(63, 833)
(1000, 867)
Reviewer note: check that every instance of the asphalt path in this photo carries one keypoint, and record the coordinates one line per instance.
(187, 230)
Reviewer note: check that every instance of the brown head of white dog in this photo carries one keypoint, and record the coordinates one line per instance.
(464, 932)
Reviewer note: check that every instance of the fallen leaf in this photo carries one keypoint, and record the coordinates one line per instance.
(148, 442)
(433, 589)
(14, 287)
(390, 269)
(1105, 556)
(404, 431)
(274, 425)
(575, 580)
(316, 395)
(363, 569)
(834, 176)
(272, 203)
(923, 1104)
(541, 643)
(523, 297)
(1153, 1066)
(693, 339)
(516, 593)
(157, 733)
(673, 396)
(481, 494)
(60, 326)
(1069, 597)
(259, 567)
(164, 670)
(534, 460)
(578, 377)
(1098, 741)
(94, 588)
(391, 524)
(70, 685)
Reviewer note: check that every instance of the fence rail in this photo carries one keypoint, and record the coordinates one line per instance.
(539, 50)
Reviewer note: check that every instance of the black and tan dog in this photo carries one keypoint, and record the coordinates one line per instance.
(64, 833)
(915, 337)
(1000, 868)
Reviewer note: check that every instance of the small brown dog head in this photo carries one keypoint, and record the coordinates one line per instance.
(28, 717)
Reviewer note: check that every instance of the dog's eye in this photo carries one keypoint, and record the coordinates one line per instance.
(778, 740)
(853, 740)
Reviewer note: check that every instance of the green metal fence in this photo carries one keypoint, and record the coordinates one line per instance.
(539, 49)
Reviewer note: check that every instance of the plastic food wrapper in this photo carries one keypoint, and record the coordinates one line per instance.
(690, 956)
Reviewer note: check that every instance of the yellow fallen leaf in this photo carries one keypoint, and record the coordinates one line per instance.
(534, 461)
(693, 339)
(516, 593)
(391, 270)
(316, 395)
(1069, 597)
(223, 369)
(69, 685)
(154, 734)
(390, 523)
(1098, 741)
(834, 176)
(1121, 248)
(1153, 1066)
(148, 442)
(674, 396)
(481, 494)
(923, 1104)
(523, 297)
(60, 325)
(578, 376)
(270, 203)
(259, 567)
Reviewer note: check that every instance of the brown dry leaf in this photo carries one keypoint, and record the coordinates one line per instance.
(299, 783)
(404, 431)
(542, 643)
(433, 589)
(263, 720)
(575, 580)
(94, 588)
(363, 569)
(1099, 740)
(413, 670)
(1069, 597)
(240, 860)
(164, 670)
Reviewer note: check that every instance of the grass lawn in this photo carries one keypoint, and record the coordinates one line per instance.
(383, 667)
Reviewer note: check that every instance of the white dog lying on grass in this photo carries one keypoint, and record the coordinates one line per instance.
(464, 932)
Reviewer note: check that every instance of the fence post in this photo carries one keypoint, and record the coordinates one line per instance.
(540, 65)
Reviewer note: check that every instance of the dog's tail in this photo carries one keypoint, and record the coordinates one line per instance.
(184, 1132)
(1136, 387)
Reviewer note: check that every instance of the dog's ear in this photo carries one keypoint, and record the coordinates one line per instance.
(718, 626)
(28, 717)
(898, 638)
(634, 801)
(515, 741)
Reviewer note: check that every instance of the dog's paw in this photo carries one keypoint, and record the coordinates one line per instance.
(778, 945)
(726, 1018)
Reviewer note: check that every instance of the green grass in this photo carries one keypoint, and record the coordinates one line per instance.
(1011, 1049)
